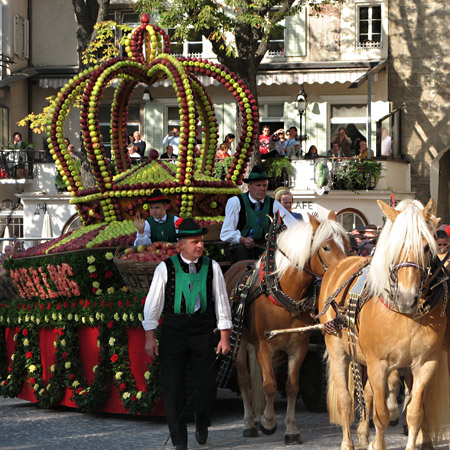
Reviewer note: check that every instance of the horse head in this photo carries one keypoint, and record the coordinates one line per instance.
(401, 262)
(330, 243)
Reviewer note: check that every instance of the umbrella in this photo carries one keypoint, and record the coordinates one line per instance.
(47, 226)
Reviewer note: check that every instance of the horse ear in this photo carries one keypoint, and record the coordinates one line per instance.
(314, 222)
(332, 216)
(388, 211)
(430, 210)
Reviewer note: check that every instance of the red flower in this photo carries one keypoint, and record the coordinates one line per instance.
(110, 324)
(66, 304)
(49, 305)
(71, 376)
(79, 390)
(109, 305)
(102, 303)
(59, 331)
(32, 380)
(25, 332)
(122, 386)
(65, 355)
(58, 306)
(128, 303)
(74, 304)
(109, 274)
(133, 398)
(120, 303)
(114, 357)
(41, 306)
(81, 302)
(24, 306)
(179, 222)
(86, 304)
(94, 290)
(143, 301)
(94, 276)
(29, 354)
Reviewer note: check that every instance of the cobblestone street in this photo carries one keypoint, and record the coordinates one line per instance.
(24, 426)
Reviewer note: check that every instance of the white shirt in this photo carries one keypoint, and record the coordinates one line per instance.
(231, 234)
(154, 303)
(145, 238)
(174, 141)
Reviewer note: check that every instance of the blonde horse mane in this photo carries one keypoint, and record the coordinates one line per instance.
(299, 241)
(403, 235)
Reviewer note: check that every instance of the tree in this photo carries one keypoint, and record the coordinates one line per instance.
(88, 13)
(239, 30)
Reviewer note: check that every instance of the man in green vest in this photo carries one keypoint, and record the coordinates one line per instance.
(246, 221)
(160, 226)
(188, 289)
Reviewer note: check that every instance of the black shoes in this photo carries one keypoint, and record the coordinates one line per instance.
(180, 447)
(201, 433)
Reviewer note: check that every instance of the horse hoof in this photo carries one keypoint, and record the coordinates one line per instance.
(426, 446)
(250, 432)
(292, 439)
(266, 431)
(393, 423)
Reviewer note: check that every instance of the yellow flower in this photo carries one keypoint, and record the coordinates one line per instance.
(83, 319)
(125, 317)
(32, 318)
(96, 284)
(67, 365)
(116, 317)
(94, 368)
(36, 387)
(54, 317)
(98, 343)
(147, 375)
(38, 321)
(75, 383)
(59, 316)
(27, 318)
(48, 386)
(70, 316)
(76, 317)
(26, 342)
(63, 342)
(140, 317)
(12, 357)
(125, 289)
(110, 290)
(109, 256)
(126, 395)
(52, 368)
(131, 316)
(98, 292)
(139, 394)
(41, 391)
(90, 259)
(91, 319)
(118, 375)
(92, 269)
(32, 368)
(112, 341)
(97, 315)
(46, 318)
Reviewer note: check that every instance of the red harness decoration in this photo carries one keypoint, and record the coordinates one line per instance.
(262, 280)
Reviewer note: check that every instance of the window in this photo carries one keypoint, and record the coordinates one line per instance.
(21, 37)
(369, 27)
(351, 218)
(353, 118)
(123, 17)
(11, 220)
(104, 117)
(192, 47)
(276, 39)
(173, 117)
(272, 116)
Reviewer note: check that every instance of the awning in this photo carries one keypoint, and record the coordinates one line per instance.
(291, 77)
(55, 83)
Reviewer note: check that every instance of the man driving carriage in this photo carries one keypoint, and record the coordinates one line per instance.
(247, 221)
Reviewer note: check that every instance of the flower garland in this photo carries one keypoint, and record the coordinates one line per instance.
(68, 371)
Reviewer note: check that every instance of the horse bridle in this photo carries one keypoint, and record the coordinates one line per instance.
(393, 278)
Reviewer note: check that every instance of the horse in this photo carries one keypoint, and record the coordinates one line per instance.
(303, 253)
(392, 322)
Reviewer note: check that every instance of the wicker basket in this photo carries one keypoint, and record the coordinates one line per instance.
(136, 274)
(8, 289)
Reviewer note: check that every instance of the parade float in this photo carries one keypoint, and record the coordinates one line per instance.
(71, 309)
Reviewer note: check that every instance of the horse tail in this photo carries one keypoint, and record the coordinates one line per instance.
(256, 383)
(332, 394)
(436, 403)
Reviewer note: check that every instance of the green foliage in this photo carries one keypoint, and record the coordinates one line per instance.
(274, 167)
(354, 174)
(221, 168)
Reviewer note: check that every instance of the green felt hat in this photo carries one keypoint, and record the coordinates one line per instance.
(189, 228)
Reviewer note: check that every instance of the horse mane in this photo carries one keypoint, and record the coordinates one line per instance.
(299, 241)
(403, 235)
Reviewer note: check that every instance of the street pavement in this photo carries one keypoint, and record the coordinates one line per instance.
(25, 426)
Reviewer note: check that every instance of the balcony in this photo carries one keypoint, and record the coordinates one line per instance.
(16, 165)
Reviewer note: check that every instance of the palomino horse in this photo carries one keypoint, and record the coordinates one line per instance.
(304, 251)
(392, 322)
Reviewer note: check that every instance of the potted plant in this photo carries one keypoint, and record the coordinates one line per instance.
(353, 174)
(279, 170)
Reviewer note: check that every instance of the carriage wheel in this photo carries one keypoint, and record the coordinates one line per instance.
(313, 381)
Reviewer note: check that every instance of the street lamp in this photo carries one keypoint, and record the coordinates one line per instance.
(301, 104)
(147, 96)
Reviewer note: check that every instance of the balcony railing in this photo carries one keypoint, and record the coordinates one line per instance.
(16, 164)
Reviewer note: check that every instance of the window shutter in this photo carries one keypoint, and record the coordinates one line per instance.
(296, 34)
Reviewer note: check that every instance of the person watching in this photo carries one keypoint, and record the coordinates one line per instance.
(264, 140)
(343, 141)
(139, 144)
(364, 151)
(285, 197)
(223, 152)
(173, 139)
(247, 218)
(134, 155)
(291, 144)
(335, 151)
(169, 154)
(312, 153)
(443, 241)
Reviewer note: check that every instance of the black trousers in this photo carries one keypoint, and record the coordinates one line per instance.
(178, 352)
(239, 252)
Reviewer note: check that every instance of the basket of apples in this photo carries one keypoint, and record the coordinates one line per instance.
(137, 264)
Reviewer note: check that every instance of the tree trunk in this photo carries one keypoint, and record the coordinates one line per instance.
(88, 13)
